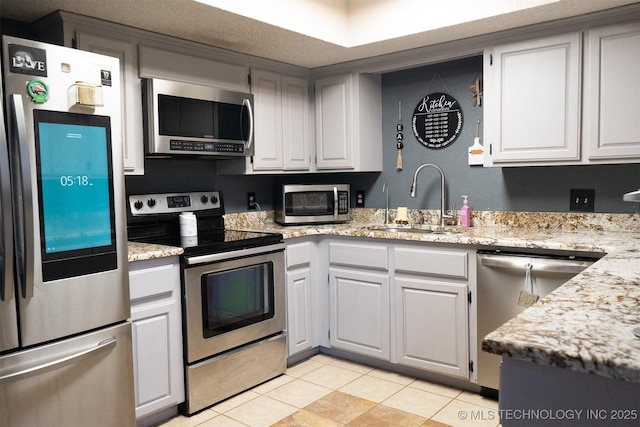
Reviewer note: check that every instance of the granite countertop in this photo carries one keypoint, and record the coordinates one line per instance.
(585, 325)
(147, 251)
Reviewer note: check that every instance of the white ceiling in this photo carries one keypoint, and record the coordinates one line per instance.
(315, 33)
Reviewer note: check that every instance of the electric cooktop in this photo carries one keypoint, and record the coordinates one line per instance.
(154, 218)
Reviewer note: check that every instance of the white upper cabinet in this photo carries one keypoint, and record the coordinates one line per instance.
(111, 45)
(532, 101)
(612, 94)
(174, 63)
(334, 121)
(558, 101)
(283, 140)
(349, 123)
(296, 131)
(267, 97)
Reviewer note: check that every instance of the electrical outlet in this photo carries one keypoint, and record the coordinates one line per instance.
(251, 201)
(359, 198)
(582, 200)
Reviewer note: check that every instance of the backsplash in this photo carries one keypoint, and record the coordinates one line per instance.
(529, 220)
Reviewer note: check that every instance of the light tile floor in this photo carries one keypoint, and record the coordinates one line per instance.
(326, 391)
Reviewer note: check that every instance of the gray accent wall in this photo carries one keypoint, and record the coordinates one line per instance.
(536, 189)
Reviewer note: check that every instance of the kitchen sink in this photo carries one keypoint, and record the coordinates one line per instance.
(396, 229)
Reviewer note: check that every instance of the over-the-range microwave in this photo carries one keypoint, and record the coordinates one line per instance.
(311, 203)
(189, 119)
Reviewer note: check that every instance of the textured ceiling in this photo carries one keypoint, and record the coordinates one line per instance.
(213, 26)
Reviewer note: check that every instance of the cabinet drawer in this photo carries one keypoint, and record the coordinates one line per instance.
(359, 255)
(426, 261)
(298, 254)
(149, 278)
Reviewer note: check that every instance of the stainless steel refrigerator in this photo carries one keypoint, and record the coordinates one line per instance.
(65, 337)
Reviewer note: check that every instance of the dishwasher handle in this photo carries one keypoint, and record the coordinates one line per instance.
(551, 265)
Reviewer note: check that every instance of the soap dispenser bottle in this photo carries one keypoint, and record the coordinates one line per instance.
(465, 213)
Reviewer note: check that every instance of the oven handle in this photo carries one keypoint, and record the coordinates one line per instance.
(222, 256)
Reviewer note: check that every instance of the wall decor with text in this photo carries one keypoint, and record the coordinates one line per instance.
(437, 119)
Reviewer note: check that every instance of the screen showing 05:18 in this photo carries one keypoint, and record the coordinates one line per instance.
(75, 186)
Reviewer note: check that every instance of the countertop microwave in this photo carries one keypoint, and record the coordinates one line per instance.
(312, 203)
(189, 119)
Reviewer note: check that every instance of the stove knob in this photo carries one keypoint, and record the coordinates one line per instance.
(204, 198)
(214, 199)
(151, 202)
(138, 205)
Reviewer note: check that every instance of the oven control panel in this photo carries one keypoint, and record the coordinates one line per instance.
(153, 204)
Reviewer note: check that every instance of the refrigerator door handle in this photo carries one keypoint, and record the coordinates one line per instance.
(63, 361)
(6, 222)
(23, 203)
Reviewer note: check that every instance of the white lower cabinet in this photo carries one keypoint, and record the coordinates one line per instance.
(157, 335)
(431, 308)
(359, 297)
(406, 303)
(306, 296)
(300, 324)
(359, 312)
(431, 325)
(299, 320)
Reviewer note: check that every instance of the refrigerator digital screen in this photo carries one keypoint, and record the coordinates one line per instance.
(75, 184)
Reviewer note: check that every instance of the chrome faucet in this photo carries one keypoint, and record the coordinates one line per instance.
(385, 189)
(443, 203)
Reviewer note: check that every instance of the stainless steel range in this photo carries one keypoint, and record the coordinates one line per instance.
(233, 294)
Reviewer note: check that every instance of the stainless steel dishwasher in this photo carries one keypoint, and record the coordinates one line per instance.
(501, 278)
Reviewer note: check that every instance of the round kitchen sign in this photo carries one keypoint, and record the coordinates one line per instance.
(437, 120)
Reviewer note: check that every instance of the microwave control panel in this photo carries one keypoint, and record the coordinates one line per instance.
(206, 147)
(343, 202)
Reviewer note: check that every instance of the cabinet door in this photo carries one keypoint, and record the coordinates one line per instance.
(296, 140)
(532, 101)
(133, 148)
(267, 96)
(359, 312)
(334, 121)
(157, 334)
(299, 311)
(612, 93)
(157, 357)
(432, 325)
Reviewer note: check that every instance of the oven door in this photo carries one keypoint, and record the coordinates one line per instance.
(233, 301)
